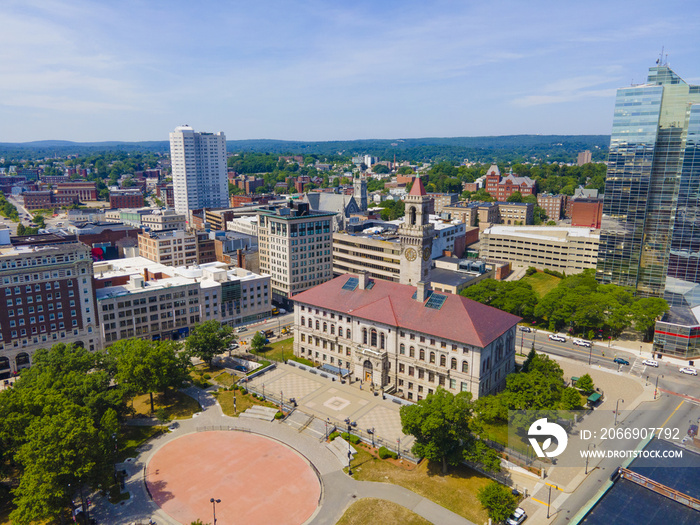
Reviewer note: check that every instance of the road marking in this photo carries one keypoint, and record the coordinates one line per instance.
(553, 486)
(538, 501)
(669, 417)
(584, 352)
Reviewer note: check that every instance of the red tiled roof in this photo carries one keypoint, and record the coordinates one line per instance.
(417, 189)
(460, 319)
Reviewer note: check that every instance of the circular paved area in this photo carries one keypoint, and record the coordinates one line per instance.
(257, 479)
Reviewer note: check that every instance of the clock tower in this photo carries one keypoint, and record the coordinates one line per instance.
(416, 237)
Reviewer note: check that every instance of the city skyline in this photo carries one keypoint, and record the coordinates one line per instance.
(86, 71)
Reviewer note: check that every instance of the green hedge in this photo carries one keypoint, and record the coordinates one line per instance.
(385, 453)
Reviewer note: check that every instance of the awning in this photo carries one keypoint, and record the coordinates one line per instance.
(593, 398)
(335, 370)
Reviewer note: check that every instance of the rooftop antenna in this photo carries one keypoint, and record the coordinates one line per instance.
(660, 60)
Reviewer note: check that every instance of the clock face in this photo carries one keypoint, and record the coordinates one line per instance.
(411, 254)
(426, 253)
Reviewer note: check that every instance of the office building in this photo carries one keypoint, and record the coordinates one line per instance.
(170, 248)
(650, 239)
(295, 249)
(403, 339)
(553, 205)
(137, 298)
(584, 157)
(569, 250)
(48, 294)
(199, 169)
(125, 199)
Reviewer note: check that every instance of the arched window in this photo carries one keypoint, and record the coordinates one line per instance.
(364, 336)
(412, 216)
(465, 367)
(422, 355)
(347, 333)
(381, 341)
(333, 329)
(303, 321)
(402, 349)
(311, 323)
(373, 337)
(443, 360)
(432, 358)
(453, 364)
(412, 352)
(325, 327)
(317, 325)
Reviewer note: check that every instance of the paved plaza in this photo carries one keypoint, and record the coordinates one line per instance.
(327, 398)
(158, 493)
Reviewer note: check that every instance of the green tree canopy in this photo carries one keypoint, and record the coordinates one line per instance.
(257, 343)
(440, 424)
(498, 501)
(209, 339)
(516, 196)
(148, 366)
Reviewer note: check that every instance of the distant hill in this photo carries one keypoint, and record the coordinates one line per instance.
(481, 149)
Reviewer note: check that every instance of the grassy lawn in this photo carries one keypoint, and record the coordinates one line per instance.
(455, 491)
(279, 350)
(177, 405)
(542, 282)
(372, 510)
(130, 438)
(243, 402)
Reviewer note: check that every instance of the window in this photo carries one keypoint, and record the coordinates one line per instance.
(364, 336)
(443, 360)
(465, 367)
(347, 333)
(402, 349)
(432, 357)
(422, 355)
(453, 364)
(373, 337)
(412, 352)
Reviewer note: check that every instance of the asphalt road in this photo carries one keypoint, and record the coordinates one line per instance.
(669, 378)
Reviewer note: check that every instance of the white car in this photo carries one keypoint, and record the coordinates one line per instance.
(651, 362)
(517, 518)
(689, 371)
(555, 337)
(282, 311)
(582, 342)
(240, 329)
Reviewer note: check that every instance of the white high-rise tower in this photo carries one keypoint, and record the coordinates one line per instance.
(199, 169)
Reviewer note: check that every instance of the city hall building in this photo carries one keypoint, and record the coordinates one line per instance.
(403, 339)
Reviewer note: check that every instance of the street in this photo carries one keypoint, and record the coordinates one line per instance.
(602, 355)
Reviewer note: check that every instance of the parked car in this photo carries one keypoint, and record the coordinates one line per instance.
(233, 346)
(283, 311)
(651, 362)
(689, 371)
(240, 368)
(240, 329)
(517, 517)
(582, 342)
(525, 329)
(556, 337)
(621, 361)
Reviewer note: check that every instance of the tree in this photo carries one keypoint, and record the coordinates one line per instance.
(257, 343)
(570, 399)
(585, 384)
(440, 424)
(516, 196)
(645, 312)
(530, 358)
(380, 168)
(148, 366)
(498, 501)
(209, 339)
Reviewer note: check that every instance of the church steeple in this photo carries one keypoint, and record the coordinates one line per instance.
(416, 236)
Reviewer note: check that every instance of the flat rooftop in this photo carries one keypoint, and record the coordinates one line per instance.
(544, 233)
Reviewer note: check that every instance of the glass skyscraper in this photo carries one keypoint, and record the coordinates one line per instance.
(651, 238)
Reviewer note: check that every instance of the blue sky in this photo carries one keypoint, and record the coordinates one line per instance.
(322, 70)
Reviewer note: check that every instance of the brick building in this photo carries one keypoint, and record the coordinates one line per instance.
(41, 200)
(553, 205)
(125, 199)
(84, 191)
(500, 188)
(587, 213)
(166, 193)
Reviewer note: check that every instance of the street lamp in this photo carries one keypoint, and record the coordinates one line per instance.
(589, 448)
(328, 420)
(656, 387)
(372, 437)
(281, 400)
(214, 502)
(349, 450)
(616, 404)
(398, 447)
(590, 353)
(264, 392)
